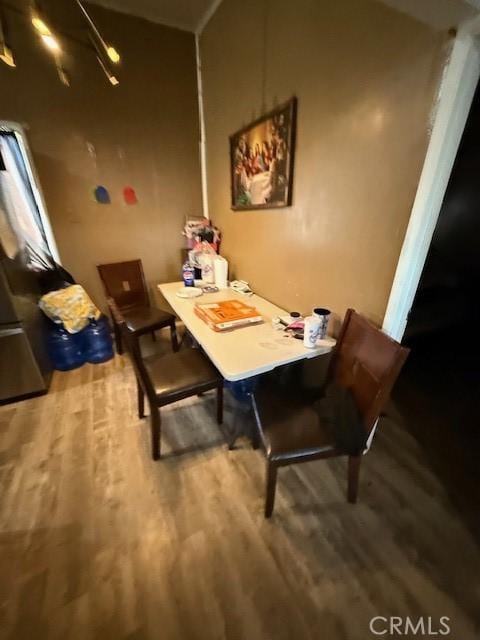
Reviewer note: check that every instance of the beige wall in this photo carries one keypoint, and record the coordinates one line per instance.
(365, 77)
(144, 132)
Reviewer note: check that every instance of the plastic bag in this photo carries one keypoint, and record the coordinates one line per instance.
(202, 258)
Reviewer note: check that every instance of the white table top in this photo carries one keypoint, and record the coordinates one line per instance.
(246, 351)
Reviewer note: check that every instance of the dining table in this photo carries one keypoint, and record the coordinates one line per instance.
(245, 351)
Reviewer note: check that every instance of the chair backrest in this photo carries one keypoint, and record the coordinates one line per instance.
(125, 283)
(367, 362)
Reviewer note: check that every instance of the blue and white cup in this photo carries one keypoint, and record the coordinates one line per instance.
(310, 331)
(323, 315)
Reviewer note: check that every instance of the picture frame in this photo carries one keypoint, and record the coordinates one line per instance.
(262, 160)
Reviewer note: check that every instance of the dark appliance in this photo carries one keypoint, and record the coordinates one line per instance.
(25, 368)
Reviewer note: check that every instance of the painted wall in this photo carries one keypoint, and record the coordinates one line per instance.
(143, 133)
(366, 78)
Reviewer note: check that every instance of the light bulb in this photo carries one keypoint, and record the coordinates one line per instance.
(113, 54)
(51, 43)
(41, 26)
(7, 56)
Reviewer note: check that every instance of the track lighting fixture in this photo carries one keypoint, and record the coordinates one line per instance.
(106, 53)
(41, 26)
(103, 61)
(6, 54)
(108, 49)
(51, 43)
(110, 75)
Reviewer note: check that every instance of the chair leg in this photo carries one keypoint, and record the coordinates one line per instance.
(353, 476)
(118, 338)
(220, 403)
(141, 401)
(173, 335)
(154, 337)
(155, 426)
(271, 486)
(255, 437)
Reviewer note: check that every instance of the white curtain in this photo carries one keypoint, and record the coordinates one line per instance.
(21, 227)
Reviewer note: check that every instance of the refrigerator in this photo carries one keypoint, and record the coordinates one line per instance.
(24, 255)
(25, 369)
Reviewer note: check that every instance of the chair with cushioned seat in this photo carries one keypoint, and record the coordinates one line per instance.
(124, 282)
(365, 363)
(165, 379)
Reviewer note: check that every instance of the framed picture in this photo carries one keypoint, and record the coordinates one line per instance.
(261, 160)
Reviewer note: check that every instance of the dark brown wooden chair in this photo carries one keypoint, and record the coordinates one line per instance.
(165, 379)
(367, 362)
(124, 282)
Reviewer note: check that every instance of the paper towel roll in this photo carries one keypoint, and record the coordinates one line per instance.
(220, 269)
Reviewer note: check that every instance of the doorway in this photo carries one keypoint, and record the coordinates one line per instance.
(446, 308)
(455, 97)
(438, 392)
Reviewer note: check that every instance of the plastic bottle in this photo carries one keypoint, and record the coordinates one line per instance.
(188, 274)
(64, 349)
(97, 341)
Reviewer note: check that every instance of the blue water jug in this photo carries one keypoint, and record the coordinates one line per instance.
(97, 341)
(241, 390)
(65, 349)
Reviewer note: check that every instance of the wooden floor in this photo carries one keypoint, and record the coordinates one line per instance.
(99, 541)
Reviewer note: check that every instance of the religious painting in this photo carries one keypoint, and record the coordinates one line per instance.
(261, 159)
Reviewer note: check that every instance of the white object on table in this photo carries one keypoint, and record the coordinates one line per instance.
(206, 262)
(310, 331)
(220, 270)
(241, 287)
(247, 351)
(189, 292)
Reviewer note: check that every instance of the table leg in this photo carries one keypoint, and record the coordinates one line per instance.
(242, 392)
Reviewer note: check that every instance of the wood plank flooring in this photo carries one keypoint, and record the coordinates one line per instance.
(97, 541)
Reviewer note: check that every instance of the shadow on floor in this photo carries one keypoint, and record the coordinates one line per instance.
(437, 395)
